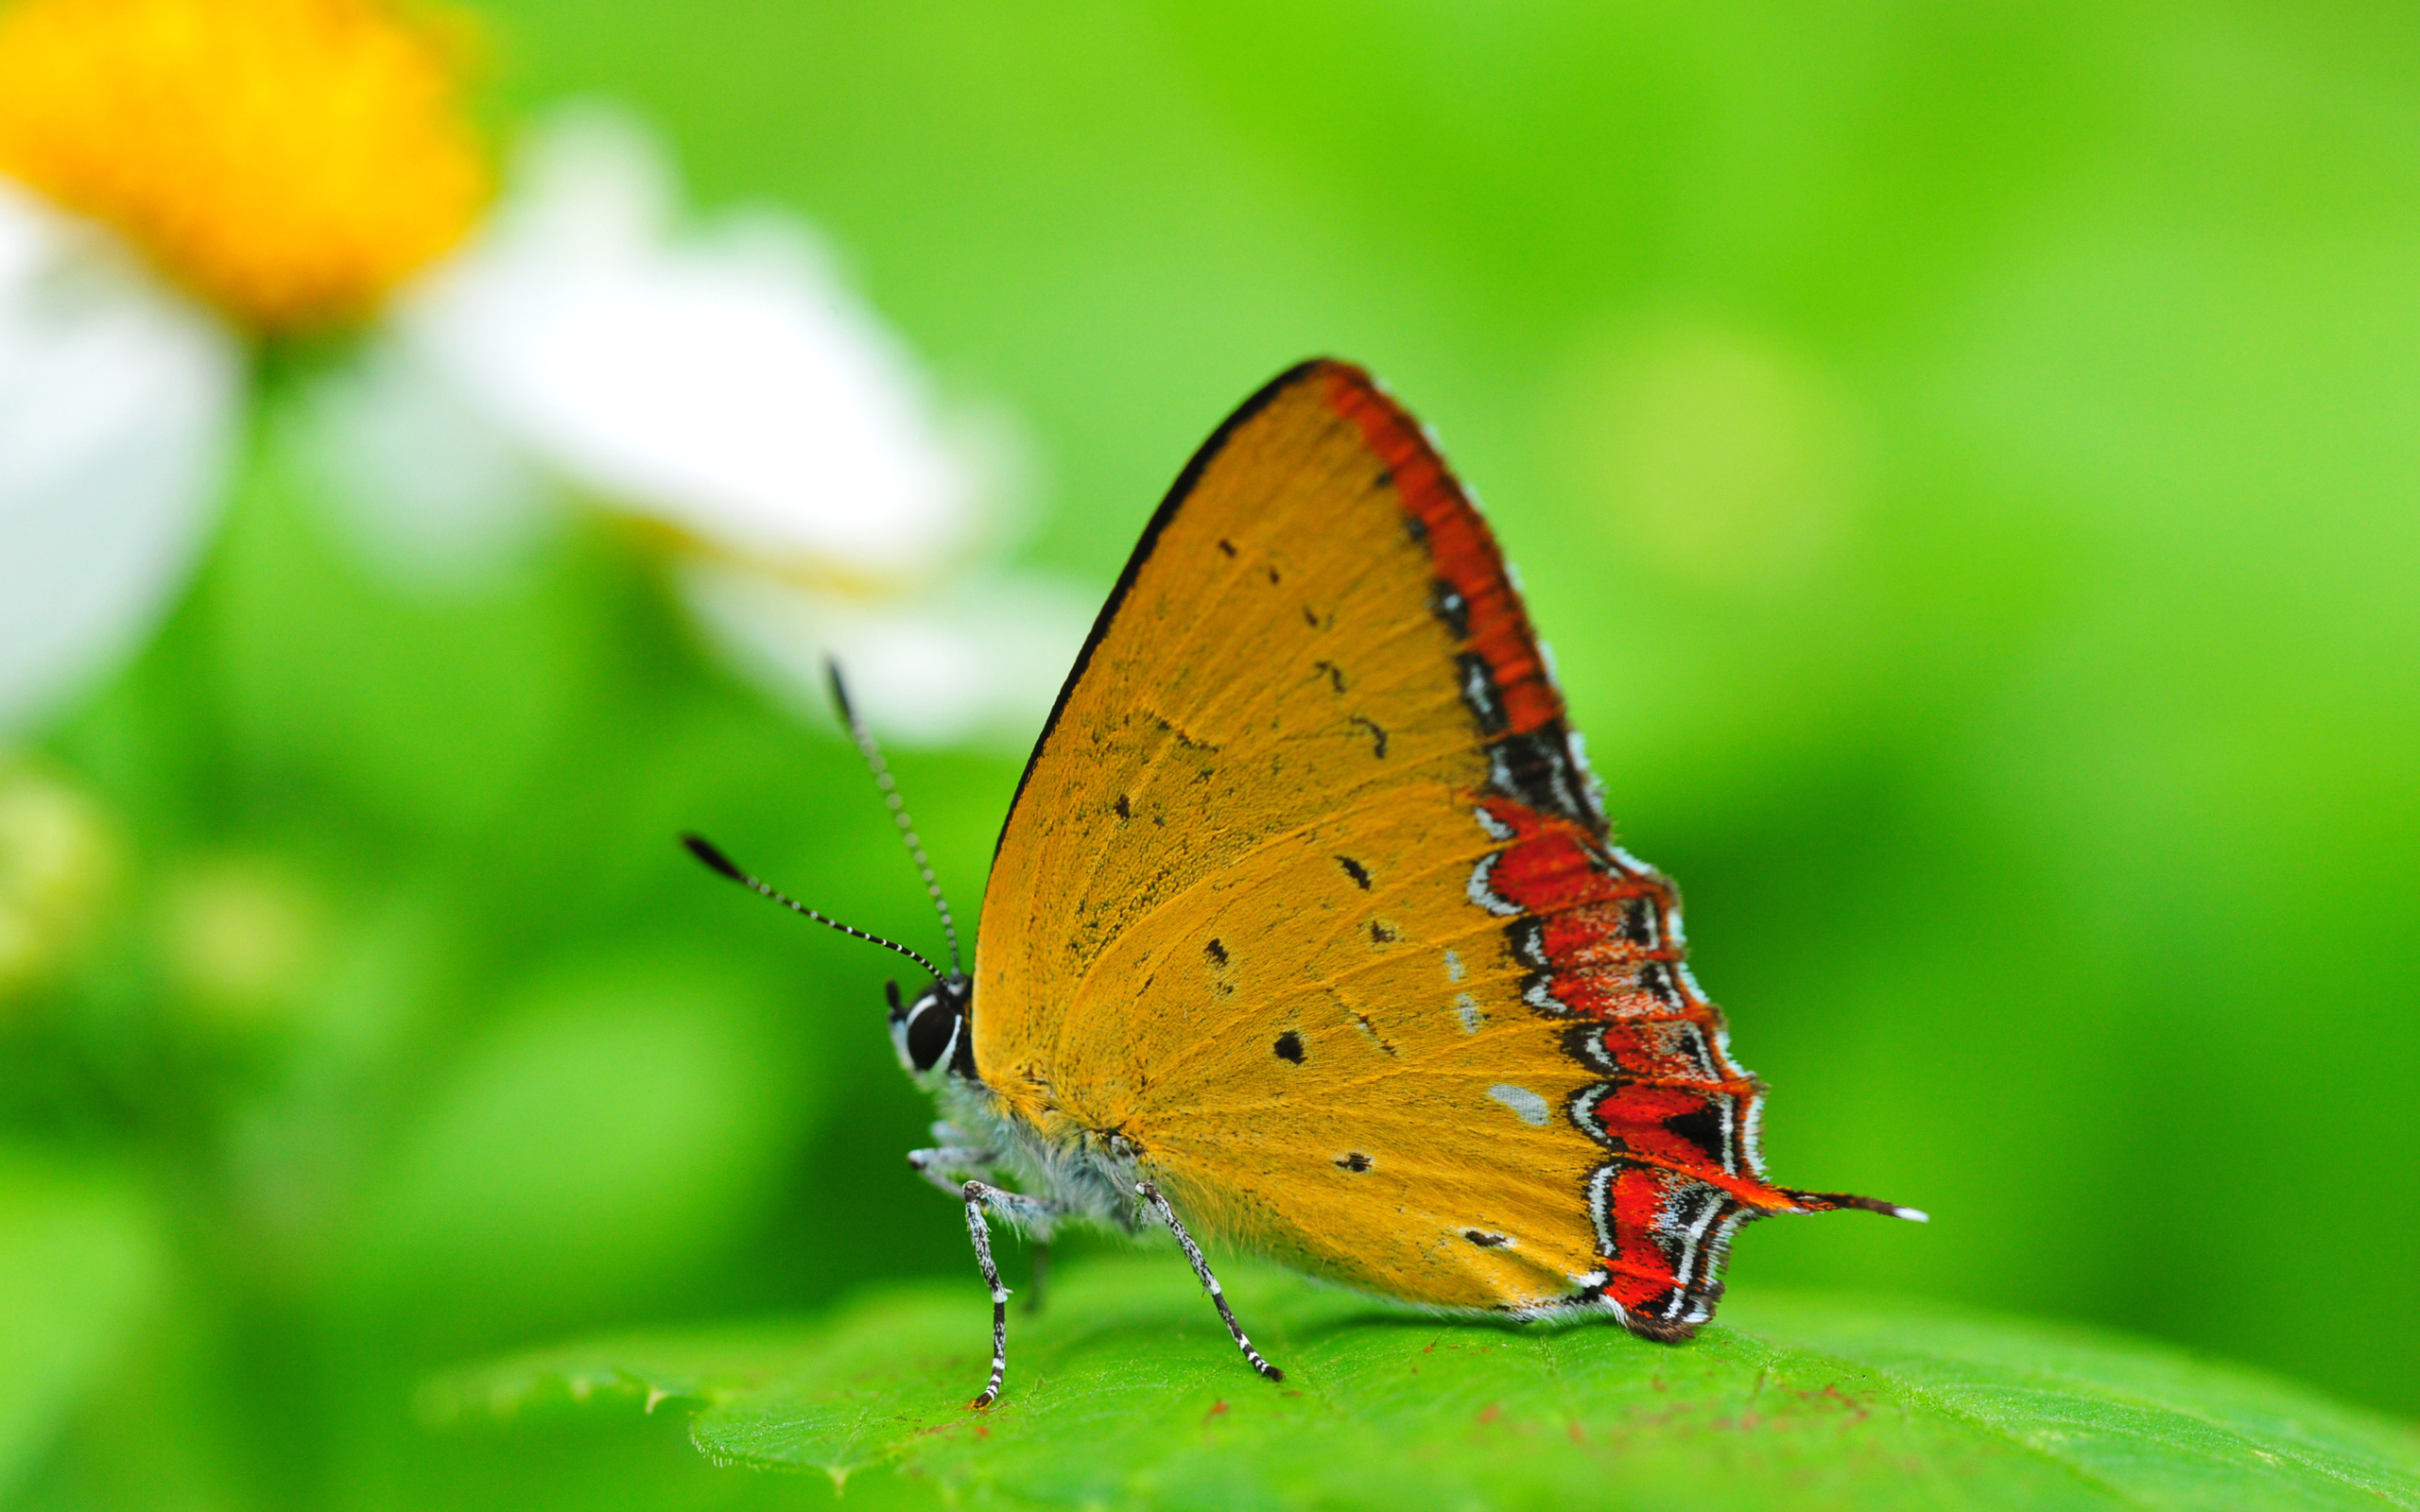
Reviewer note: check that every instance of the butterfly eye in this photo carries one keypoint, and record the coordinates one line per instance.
(932, 1028)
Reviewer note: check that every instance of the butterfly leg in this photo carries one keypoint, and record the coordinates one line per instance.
(949, 1166)
(1209, 1282)
(1016, 1207)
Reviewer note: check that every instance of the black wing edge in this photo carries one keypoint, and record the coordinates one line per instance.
(1178, 492)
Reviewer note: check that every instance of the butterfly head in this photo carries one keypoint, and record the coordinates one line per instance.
(934, 1032)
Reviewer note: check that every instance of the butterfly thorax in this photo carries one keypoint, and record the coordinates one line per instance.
(1088, 1168)
(1086, 1172)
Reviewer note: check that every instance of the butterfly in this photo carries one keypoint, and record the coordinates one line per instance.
(1307, 931)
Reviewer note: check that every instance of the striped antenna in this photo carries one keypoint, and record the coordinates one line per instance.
(704, 849)
(889, 786)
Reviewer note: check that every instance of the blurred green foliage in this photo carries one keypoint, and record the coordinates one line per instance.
(1965, 459)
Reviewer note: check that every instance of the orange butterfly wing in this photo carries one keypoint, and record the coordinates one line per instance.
(1306, 900)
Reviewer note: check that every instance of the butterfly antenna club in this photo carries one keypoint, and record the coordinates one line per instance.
(708, 852)
(898, 806)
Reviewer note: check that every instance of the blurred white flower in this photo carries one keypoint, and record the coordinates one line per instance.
(571, 342)
(719, 384)
(178, 177)
(982, 658)
(430, 487)
(118, 400)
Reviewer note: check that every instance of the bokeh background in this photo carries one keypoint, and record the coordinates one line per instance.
(1966, 459)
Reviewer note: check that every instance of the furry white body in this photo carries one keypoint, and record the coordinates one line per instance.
(1060, 1182)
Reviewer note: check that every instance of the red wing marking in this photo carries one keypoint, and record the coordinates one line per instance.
(1468, 560)
(1599, 931)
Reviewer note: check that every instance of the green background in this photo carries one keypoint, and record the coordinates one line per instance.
(1963, 456)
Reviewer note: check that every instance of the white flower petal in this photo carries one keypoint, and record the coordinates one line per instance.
(983, 660)
(726, 384)
(118, 402)
(428, 488)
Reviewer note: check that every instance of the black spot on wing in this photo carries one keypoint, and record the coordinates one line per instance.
(1447, 604)
(1216, 953)
(1585, 1043)
(1538, 769)
(1638, 922)
(1527, 940)
(1290, 1047)
(1537, 991)
(1377, 734)
(1352, 1161)
(1359, 873)
(1477, 681)
(1702, 1128)
(1125, 811)
(1485, 1241)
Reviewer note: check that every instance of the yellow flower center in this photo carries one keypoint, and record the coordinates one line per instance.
(289, 161)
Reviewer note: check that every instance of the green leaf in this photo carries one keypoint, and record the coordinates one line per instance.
(1126, 1392)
